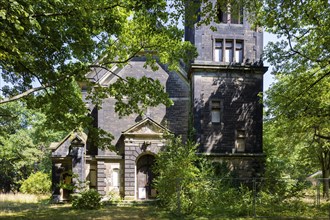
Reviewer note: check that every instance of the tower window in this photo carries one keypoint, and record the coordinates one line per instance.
(222, 13)
(236, 16)
(218, 55)
(239, 52)
(231, 13)
(228, 51)
(216, 111)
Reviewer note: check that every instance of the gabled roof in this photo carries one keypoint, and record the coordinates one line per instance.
(146, 127)
(71, 137)
(104, 76)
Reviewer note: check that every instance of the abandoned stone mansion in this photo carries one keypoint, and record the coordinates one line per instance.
(218, 93)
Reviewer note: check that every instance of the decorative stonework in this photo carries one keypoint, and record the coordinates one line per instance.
(146, 137)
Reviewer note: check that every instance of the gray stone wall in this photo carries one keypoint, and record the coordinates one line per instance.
(203, 37)
(134, 150)
(242, 167)
(237, 90)
(101, 177)
(175, 117)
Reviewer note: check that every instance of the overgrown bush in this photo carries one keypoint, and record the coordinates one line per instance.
(182, 180)
(37, 183)
(89, 199)
(232, 201)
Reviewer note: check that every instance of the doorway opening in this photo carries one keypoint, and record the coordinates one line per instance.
(145, 177)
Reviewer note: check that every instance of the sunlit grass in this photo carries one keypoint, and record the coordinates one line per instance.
(22, 206)
(22, 198)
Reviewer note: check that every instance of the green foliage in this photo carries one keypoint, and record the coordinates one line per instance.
(88, 199)
(298, 131)
(230, 201)
(182, 178)
(37, 183)
(47, 47)
(23, 145)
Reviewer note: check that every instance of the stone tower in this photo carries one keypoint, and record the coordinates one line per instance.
(226, 78)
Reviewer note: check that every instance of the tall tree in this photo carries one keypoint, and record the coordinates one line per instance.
(49, 46)
(23, 144)
(298, 103)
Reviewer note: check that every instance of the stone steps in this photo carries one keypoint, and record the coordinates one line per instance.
(130, 203)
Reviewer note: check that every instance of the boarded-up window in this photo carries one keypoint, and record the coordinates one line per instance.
(92, 178)
(115, 177)
(216, 111)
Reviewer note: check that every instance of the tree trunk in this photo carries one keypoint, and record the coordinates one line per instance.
(325, 175)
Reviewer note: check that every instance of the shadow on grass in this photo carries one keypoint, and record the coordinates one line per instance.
(13, 210)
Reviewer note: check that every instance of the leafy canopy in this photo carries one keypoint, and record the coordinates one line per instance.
(49, 46)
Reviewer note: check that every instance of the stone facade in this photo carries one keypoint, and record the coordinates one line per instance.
(226, 78)
(219, 91)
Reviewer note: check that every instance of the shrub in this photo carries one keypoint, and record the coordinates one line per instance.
(89, 199)
(182, 179)
(37, 183)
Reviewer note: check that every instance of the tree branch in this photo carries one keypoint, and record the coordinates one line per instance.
(103, 67)
(21, 95)
(126, 60)
(72, 12)
(322, 136)
(309, 87)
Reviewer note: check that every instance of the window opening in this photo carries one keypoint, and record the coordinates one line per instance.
(218, 56)
(240, 141)
(216, 111)
(231, 13)
(229, 51)
(239, 52)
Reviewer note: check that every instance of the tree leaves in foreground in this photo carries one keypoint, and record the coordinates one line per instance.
(23, 145)
(298, 106)
(48, 47)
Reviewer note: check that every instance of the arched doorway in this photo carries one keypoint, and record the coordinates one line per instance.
(145, 177)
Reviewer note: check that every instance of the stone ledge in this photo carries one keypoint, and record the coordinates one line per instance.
(236, 154)
(106, 157)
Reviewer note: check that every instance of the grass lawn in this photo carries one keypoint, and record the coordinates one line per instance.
(22, 206)
(31, 207)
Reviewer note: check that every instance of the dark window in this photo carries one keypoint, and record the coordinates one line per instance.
(232, 13)
(216, 111)
(222, 14)
(236, 16)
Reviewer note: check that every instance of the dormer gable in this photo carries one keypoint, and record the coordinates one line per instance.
(146, 128)
(62, 148)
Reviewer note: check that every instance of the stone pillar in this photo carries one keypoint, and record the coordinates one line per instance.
(129, 179)
(101, 185)
(78, 165)
(129, 175)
